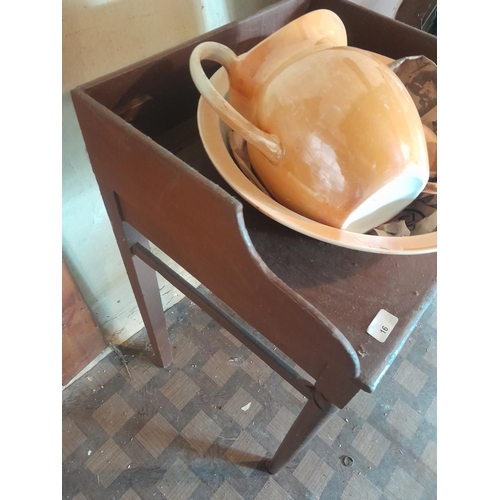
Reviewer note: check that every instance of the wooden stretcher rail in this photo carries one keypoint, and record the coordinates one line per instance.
(226, 321)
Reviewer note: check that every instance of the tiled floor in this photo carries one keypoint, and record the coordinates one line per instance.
(203, 429)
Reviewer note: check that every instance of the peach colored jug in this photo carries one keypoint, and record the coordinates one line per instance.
(331, 131)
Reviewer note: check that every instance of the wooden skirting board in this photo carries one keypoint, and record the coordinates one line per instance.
(82, 341)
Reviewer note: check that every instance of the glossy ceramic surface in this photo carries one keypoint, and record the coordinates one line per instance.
(214, 135)
(332, 132)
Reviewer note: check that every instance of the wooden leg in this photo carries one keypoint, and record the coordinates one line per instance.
(143, 281)
(313, 416)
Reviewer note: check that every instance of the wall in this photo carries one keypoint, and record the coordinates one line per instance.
(387, 8)
(101, 36)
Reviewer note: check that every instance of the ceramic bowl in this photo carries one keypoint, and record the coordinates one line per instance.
(214, 136)
(332, 132)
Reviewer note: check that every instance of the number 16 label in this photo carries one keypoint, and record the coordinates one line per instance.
(382, 325)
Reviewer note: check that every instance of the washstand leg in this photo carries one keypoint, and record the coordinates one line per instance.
(143, 281)
(313, 416)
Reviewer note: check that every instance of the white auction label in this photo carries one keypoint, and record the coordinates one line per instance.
(382, 325)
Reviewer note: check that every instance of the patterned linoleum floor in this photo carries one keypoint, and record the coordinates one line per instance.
(203, 429)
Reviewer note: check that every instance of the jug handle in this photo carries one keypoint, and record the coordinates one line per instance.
(269, 145)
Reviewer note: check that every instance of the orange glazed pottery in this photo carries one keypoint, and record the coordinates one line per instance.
(331, 131)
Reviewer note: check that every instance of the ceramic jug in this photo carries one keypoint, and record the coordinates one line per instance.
(331, 131)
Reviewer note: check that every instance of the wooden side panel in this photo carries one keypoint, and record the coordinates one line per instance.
(201, 227)
(81, 340)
